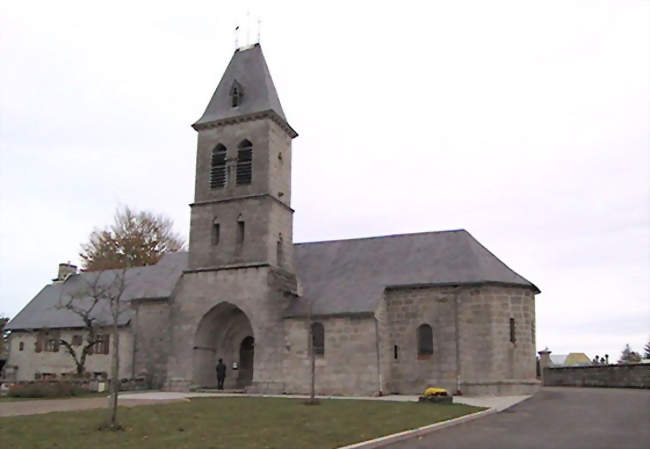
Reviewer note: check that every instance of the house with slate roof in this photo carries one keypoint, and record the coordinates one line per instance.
(391, 314)
(571, 359)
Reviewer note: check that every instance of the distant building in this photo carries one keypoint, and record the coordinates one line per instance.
(388, 314)
(571, 359)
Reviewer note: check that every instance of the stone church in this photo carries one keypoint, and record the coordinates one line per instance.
(390, 314)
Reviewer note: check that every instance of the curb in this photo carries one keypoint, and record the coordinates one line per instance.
(420, 431)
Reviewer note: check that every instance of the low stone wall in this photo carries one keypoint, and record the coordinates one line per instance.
(626, 376)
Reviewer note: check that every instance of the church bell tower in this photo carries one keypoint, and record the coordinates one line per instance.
(241, 214)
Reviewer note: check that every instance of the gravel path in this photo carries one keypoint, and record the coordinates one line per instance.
(132, 399)
(35, 407)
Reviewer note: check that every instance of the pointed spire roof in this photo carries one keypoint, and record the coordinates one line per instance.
(245, 90)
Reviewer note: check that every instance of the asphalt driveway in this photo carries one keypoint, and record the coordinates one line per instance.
(555, 418)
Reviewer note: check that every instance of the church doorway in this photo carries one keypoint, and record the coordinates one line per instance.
(224, 332)
(246, 356)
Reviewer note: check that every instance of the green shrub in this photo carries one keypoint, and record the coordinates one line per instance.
(46, 390)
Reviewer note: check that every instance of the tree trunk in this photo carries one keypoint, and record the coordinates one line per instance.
(115, 380)
(312, 390)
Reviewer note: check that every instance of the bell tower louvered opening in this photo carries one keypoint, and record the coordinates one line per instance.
(241, 212)
(218, 167)
(245, 163)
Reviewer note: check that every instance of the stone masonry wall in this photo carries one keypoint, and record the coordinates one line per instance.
(626, 376)
(406, 310)
(30, 362)
(471, 322)
(152, 341)
(262, 298)
(349, 364)
(263, 205)
(490, 362)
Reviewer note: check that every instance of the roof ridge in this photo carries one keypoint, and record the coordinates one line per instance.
(408, 234)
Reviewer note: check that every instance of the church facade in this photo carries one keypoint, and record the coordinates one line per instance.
(381, 315)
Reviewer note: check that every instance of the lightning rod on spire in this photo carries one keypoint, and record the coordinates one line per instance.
(248, 28)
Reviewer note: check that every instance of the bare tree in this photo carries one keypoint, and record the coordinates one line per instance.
(101, 294)
(84, 307)
(312, 355)
(114, 298)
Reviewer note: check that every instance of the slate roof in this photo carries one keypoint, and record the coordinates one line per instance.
(154, 281)
(341, 276)
(349, 276)
(247, 67)
(571, 359)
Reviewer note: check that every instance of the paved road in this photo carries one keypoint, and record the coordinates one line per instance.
(555, 418)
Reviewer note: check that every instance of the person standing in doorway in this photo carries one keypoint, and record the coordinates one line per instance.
(221, 374)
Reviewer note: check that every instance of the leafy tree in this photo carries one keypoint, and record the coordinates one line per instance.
(629, 356)
(646, 349)
(134, 239)
(4, 337)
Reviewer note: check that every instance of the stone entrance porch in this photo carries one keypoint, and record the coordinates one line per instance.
(224, 332)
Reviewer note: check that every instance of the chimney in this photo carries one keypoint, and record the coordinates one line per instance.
(66, 270)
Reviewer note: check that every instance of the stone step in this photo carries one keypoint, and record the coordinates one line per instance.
(214, 390)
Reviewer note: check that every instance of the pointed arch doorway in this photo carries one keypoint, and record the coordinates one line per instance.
(224, 332)
(246, 358)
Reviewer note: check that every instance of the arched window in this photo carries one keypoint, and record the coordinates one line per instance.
(245, 162)
(218, 167)
(425, 341)
(21, 346)
(318, 339)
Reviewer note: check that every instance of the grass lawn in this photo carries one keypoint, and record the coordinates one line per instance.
(226, 423)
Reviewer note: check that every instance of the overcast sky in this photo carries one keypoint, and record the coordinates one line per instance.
(526, 123)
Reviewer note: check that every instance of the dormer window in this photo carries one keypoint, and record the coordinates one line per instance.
(236, 94)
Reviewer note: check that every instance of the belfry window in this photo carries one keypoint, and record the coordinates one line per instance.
(318, 339)
(218, 167)
(245, 162)
(425, 341)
